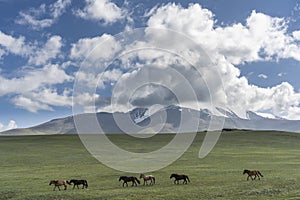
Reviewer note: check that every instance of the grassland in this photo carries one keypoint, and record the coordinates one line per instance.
(28, 163)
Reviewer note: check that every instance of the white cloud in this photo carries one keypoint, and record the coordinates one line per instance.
(37, 54)
(11, 125)
(17, 46)
(42, 99)
(35, 17)
(262, 38)
(101, 47)
(296, 35)
(49, 51)
(281, 74)
(262, 76)
(33, 79)
(59, 7)
(102, 10)
(30, 104)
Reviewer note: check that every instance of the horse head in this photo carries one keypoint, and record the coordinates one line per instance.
(245, 171)
(142, 175)
(172, 175)
(52, 182)
(70, 182)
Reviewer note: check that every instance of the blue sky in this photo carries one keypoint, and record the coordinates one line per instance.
(255, 45)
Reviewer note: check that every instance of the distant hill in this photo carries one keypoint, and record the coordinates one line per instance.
(166, 120)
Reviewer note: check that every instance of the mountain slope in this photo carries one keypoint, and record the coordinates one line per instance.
(168, 119)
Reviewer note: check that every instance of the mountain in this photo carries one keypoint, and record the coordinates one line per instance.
(164, 120)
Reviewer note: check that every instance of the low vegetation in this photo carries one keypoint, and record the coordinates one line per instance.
(28, 163)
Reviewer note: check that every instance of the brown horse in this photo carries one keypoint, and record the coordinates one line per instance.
(58, 183)
(177, 177)
(252, 173)
(132, 179)
(148, 178)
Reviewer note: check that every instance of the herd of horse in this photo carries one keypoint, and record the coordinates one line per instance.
(253, 174)
(58, 183)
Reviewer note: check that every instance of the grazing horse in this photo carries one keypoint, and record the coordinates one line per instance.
(58, 183)
(78, 182)
(254, 173)
(148, 178)
(132, 179)
(177, 177)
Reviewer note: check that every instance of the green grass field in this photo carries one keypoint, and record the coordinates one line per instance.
(28, 163)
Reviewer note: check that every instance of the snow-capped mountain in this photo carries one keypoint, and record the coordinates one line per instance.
(165, 120)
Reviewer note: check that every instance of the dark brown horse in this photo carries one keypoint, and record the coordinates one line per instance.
(252, 173)
(177, 177)
(58, 183)
(126, 179)
(78, 182)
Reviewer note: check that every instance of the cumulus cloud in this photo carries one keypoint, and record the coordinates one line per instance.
(42, 99)
(33, 79)
(261, 38)
(86, 48)
(36, 53)
(11, 125)
(101, 10)
(296, 35)
(49, 51)
(17, 46)
(35, 17)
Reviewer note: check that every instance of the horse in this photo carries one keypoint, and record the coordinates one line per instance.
(148, 178)
(132, 179)
(58, 183)
(254, 173)
(177, 177)
(78, 182)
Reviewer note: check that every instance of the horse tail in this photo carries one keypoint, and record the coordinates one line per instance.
(153, 180)
(188, 178)
(260, 173)
(137, 180)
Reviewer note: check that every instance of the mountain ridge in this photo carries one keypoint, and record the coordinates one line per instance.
(164, 120)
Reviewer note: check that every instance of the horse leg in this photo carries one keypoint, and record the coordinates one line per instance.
(258, 177)
(77, 186)
(65, 187)
(248, 177)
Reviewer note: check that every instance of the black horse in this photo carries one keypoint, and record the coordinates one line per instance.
(132, 179)
(78, 182)
(177, 177)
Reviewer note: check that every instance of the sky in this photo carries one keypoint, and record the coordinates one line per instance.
(59, 54)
